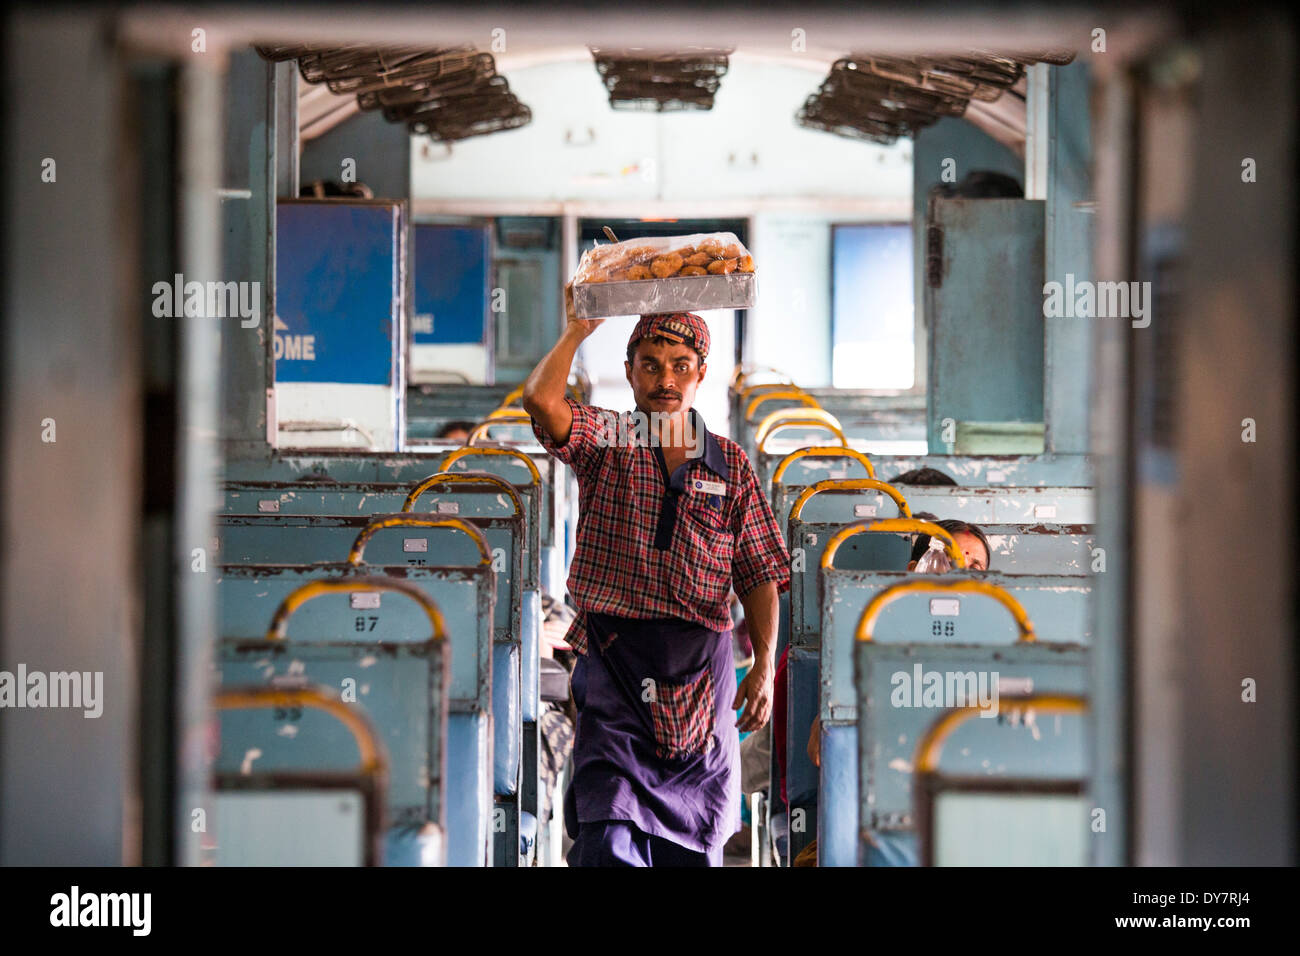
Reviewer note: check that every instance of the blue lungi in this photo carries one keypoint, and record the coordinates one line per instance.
(625, 801)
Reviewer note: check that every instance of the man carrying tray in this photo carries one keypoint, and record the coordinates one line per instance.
(671, 519)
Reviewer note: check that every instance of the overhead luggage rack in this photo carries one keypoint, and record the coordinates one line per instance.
(447, 93)
(462, 76)
(662, 82)
(880, 98)
(472, 114)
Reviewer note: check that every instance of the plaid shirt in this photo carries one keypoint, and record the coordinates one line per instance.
(648, 549)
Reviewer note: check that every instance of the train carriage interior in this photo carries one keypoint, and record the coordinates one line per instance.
(1008, 339)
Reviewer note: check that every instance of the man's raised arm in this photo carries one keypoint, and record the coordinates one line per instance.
(544, 389)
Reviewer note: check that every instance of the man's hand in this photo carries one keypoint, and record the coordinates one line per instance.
(586, 326)
(815, 742)
(756, 689)
(755, 692)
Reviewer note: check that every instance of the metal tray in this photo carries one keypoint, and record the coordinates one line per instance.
(595, 300)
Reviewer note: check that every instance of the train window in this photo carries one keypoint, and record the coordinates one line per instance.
(524, 307)
(872, 323)
(451, 289)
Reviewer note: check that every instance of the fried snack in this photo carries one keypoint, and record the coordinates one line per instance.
(652, 258)
(665, 266)
(641, 255)
(608, 260)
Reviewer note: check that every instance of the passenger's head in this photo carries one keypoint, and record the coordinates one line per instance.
(970, 538)
(923, 476)
(456, 431)
(666, 361)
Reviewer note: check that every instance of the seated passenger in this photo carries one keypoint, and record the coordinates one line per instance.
(970, 538)
(923, 476)
(456, 431)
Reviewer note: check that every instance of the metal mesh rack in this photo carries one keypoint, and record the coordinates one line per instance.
(448, 93)
(663, 82)
(880, 98)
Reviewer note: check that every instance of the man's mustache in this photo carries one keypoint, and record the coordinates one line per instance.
(665, 395)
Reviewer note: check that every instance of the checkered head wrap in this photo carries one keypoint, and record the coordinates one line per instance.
(686, 328)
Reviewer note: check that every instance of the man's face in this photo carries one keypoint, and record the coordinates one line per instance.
(664, 377)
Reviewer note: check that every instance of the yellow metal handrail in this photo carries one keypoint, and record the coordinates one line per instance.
(404, 521)
(802, 423)
(841, 485)
(785, 394)
(470, 478)
(823, 451)
(934, 585)
(893, 525)
(739, 374)
(314, 589)
(930, 748)
(507, 414)
(772, 419)
(468, 452)
(747, 393)
(373, 761)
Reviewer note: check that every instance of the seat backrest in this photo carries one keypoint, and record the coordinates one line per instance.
(248, 595)
(1060, 602)
(1027, 815)
(275, 816)
(402, 687)
(989, 505)
(902, 687)
(812, 463)
(992, 471)
(524, 466)
(305, 540)
(808, 540)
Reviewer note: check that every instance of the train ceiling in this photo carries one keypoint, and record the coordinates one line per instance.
(454, 93)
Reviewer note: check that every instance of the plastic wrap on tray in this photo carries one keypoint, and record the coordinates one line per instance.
(665, 274)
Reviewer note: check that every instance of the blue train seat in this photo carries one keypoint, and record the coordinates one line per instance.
(402, 687)
(987, 505)
(1061, 601)
(808, 538)
(467, 593)
(313, 817)
(1027, 815)
(811, 464)
(895, 645)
